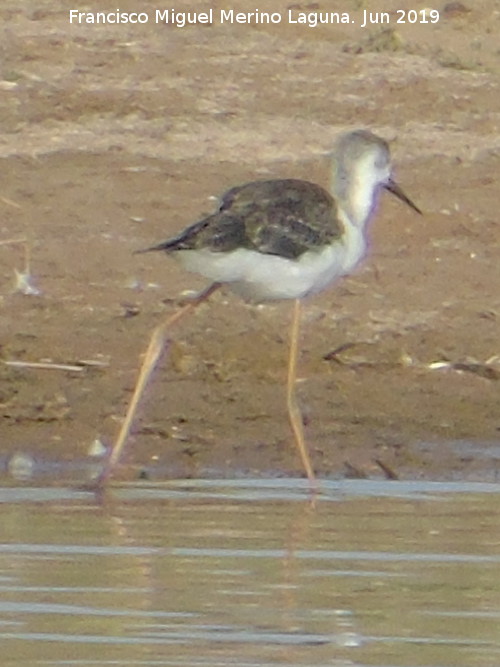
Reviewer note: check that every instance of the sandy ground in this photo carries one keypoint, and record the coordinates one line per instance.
(116, 136)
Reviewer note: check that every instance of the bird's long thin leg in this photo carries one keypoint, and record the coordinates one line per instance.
(294, 413)
(157, 344)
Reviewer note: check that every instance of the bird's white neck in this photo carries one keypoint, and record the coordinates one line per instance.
(357, 192)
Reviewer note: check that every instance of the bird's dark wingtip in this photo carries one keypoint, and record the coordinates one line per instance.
(152, 248)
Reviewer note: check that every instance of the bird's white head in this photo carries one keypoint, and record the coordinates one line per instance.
(361, 165)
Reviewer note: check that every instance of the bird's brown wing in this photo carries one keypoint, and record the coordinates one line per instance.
(279, 217)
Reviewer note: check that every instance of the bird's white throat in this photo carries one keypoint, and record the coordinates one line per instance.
(357, 196)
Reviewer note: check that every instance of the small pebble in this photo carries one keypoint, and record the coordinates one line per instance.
(21, 466)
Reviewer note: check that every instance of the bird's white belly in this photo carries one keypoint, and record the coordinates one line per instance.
(259, 277)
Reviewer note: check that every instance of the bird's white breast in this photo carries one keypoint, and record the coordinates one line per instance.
(260, 277)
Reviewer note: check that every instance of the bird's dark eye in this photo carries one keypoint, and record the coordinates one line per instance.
(381, 161)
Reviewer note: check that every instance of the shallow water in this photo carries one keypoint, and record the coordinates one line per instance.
(250, 572)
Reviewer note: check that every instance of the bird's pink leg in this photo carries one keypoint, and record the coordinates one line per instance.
(158, 342)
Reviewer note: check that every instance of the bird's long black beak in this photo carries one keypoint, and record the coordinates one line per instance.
(393, 187)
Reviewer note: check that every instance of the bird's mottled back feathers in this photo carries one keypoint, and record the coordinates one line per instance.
(279, 217)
